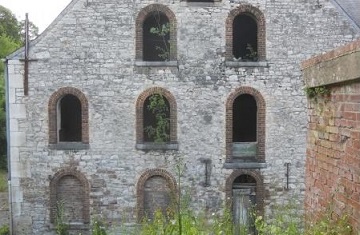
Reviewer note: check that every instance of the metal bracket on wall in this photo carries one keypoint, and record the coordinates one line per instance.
(287, 174)
(207, 163)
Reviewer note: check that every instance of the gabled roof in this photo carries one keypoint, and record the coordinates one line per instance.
(32, 43)
(351, 9)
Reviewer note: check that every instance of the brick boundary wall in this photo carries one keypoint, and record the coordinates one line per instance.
(333, 139)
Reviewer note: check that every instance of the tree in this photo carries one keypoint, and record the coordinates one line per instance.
(9, 25)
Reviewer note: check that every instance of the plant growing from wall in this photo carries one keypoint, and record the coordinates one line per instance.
(252, 55)
(160, 129)
(98, 228)
(163, 31)
(5, 230)
(317, 92)
(61, 226)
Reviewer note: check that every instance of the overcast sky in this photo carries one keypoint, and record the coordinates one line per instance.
(41, 12)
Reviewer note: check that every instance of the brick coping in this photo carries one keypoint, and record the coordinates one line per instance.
(338, 52)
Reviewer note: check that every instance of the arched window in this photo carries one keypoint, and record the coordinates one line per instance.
(156, 120)
(69, 195)
(156, 112)
(156, 34)
(68, 119)
(245, 34)
(245, 38)
(245, 126)
(155, 191)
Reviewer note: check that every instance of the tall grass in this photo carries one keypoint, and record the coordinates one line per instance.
(3, 181)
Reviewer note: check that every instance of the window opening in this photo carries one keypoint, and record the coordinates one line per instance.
(69, 125)
(244, 119)
(156, 45)
(244, 203)
(156, 119)
(245, 38)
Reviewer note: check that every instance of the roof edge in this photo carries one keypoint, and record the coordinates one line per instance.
(45, 32)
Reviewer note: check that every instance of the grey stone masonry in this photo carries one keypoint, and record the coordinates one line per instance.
(91, 47)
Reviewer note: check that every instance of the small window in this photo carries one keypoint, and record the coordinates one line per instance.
(156, 37)
(156, 119)
(245, 38)
(69, 122)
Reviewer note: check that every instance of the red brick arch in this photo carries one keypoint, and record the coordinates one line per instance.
(171, 183)
(261, 109)
(52, 109)
(85, 189)
(261, 37)
(139, 29)
(260, 191)
(140, 113)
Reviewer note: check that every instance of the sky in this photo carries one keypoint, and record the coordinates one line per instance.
(41, 12)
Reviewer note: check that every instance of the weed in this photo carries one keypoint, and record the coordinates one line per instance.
(3, 181)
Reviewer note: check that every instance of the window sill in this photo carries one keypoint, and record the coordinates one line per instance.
(157, 146)
(74, 226)
(201, 4)
(69, 146)
(172, 63)
(229, 63)
(244, 165)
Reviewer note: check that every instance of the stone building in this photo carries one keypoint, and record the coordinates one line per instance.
(333, 150)
(228, 76)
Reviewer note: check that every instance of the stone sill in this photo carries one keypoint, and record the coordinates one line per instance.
(200, 4)
(157, 146)
(69, 146)
(74, 226)
(246, 63)
(172, 63)
(244, 165)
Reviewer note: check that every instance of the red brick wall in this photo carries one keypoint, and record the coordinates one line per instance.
(333, 153)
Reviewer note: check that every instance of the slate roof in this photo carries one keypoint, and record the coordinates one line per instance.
(351, 9)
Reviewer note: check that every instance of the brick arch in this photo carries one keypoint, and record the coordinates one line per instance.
(171, 183)
(52, 109)
(139, 29)
(260, 190)
(261, 27)
(85, 190)
(140, 113)
(261, 109)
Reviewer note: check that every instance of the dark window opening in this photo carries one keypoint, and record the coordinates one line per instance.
(200, 0)
(156, 37)
(244, 203)
(244, 119)
(156, 119)
(70, 119)
(245, 38)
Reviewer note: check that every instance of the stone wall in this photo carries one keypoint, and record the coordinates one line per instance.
(91, 47)
(333, 151)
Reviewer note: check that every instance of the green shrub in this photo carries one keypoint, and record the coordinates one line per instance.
(4, 230)
(3, 181)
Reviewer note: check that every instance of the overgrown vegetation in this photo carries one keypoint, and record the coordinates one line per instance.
(3, 181)
(317, 92)
(160, 129)
(163, 32)
(5, 230)
(61, 227)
